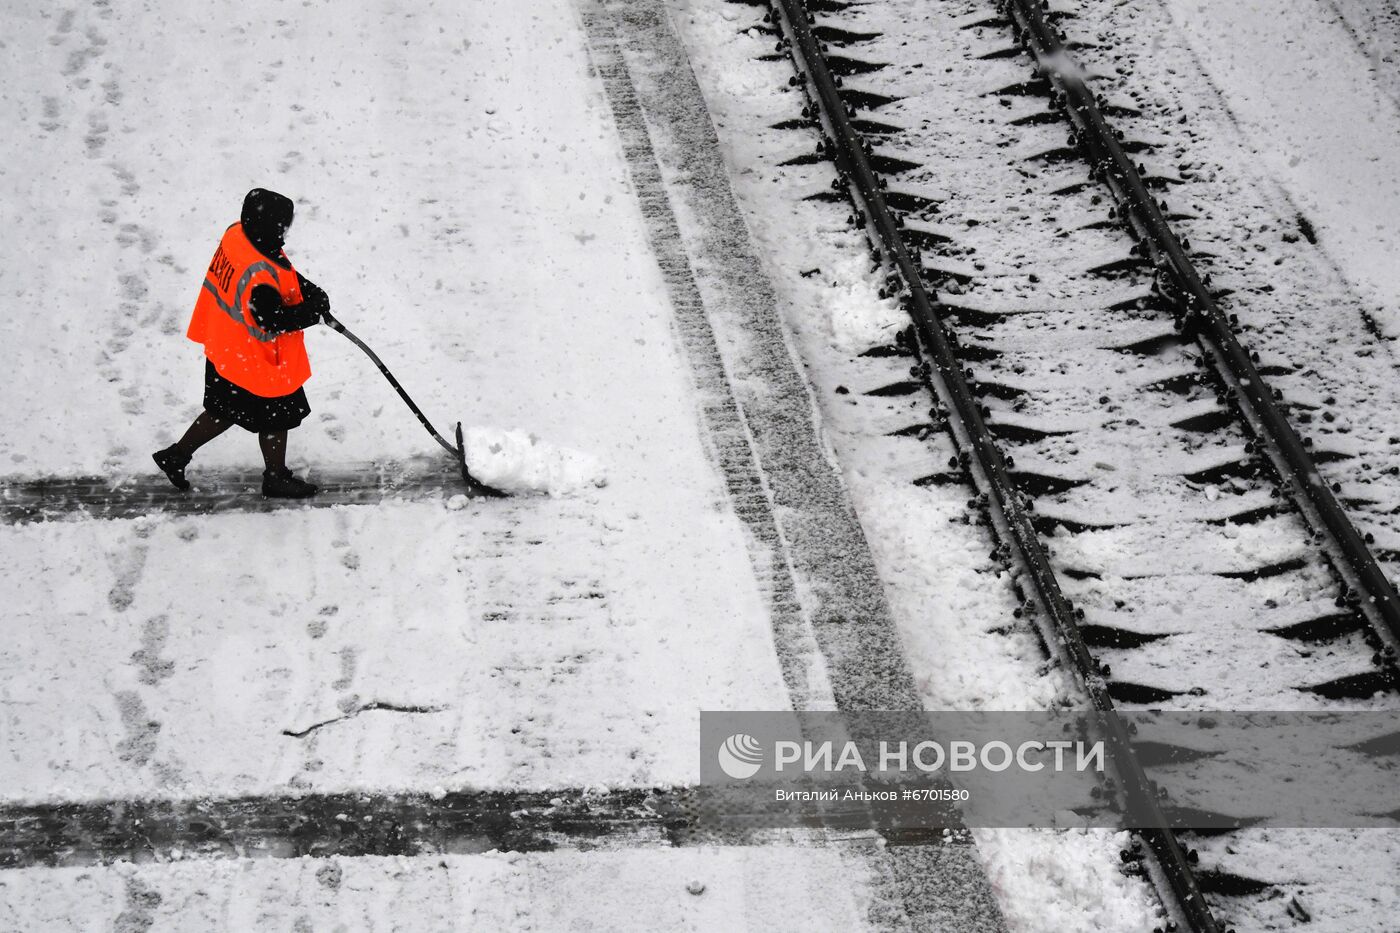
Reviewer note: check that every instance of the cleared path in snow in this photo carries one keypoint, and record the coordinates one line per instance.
(221, 492)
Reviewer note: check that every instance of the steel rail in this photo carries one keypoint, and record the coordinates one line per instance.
(1369, 589)
(989, 467)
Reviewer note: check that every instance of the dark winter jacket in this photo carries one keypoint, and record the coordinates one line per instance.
(266, 217)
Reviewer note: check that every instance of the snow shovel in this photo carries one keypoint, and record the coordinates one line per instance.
(474, 486)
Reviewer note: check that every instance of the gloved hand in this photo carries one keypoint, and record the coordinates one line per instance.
(313, 298)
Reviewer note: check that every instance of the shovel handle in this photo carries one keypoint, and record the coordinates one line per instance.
(335, 325)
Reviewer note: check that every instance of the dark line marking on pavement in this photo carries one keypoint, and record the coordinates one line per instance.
(323, 825)
(59, 498)
(349, 825)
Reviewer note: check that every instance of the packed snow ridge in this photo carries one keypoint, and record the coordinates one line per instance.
(517, 461)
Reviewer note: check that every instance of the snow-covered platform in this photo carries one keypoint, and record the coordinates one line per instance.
(467, 203)
(770, 888)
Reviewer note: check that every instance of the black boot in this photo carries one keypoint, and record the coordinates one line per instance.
(172, 463)
(283, 484)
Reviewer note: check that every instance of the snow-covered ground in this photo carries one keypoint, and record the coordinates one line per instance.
(767, 888)
(1266, 170)
(463, 196)
(1313, 93)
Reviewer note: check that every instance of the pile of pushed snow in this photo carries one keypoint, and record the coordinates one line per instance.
(860, 318)
(515, 461)
(1066, 881)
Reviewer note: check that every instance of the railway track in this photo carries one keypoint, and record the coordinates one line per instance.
(1175, 540)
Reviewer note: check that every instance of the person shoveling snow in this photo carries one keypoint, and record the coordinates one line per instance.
(250, 315)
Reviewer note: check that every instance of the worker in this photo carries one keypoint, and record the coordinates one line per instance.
(250, 314)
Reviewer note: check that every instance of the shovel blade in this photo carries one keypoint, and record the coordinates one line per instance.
(475, 487)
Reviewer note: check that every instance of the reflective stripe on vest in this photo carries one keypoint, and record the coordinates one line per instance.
(240, 310)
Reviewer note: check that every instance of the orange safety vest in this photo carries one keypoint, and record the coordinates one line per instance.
(242, 352)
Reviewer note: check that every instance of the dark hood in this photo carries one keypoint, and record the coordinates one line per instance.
(266, 217)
